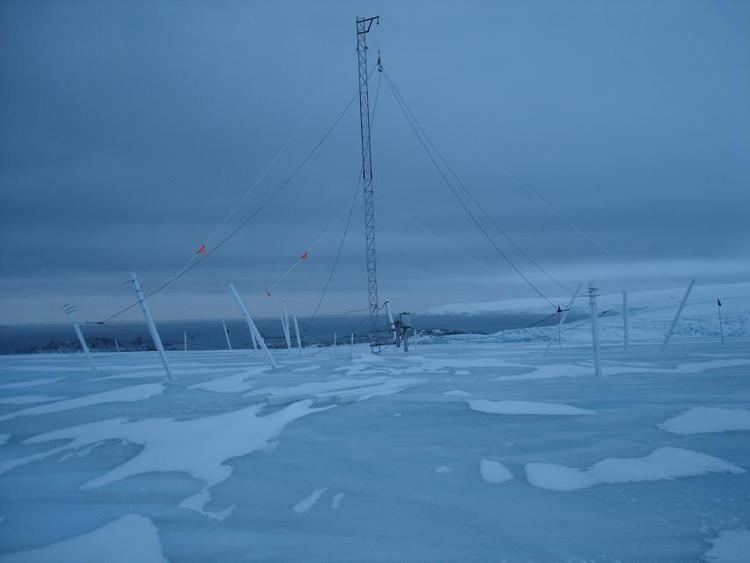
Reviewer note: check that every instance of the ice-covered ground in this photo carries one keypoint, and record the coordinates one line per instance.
(468, 450)
(651, 313)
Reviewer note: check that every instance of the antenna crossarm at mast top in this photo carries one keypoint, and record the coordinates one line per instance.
(364, 24)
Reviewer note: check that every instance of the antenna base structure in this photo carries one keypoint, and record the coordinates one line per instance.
(363, 28)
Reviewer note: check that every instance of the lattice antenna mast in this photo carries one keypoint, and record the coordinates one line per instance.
(363, 28)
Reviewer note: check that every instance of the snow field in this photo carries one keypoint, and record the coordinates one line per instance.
(266, 456)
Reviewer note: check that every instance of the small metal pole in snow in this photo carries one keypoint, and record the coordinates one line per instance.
(117, 345)
(334, 340)
(251, 325)
(184, 339)
(721, 321)
(594, 328)
(71, 312)
(151, 326)
(677, 316)
(226, 333)
(296, 333)
(625, 325)
(351, 345)
(563, 316)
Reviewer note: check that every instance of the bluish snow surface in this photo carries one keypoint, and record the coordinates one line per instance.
(454, 452)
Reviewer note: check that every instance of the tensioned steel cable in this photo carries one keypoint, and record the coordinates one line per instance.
(468, 211)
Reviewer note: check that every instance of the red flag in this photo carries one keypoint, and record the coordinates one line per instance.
(304, 256)
(202, 250)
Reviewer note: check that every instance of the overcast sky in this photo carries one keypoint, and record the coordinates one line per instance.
(130, 129)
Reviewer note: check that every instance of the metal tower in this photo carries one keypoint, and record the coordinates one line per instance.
(363, 28)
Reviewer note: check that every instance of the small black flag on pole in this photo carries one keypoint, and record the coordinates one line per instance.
(718, 301)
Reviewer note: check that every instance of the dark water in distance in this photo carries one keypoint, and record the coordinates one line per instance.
(209, 335)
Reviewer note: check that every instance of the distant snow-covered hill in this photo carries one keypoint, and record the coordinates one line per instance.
(651, 313)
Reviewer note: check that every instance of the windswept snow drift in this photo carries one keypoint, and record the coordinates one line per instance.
(494, 472)
(524, 407)
(663, 463)
(128, 394)
(309, 501)
(198, 447)
(127, 539)
(731, 546)
(700, 420)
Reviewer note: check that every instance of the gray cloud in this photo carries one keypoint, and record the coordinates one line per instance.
(130, 129)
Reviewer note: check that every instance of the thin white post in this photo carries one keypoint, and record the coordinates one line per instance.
(391, 324)
(151, 326)
(625, 325)
(253, 339)
(251, 325)
(226, 333)
(721, 321)
(285, 330)
(564, 316)
(296, 332)
(117, 345)
(184, 340)
(334, 340)
(677, 316)
(351, 345)
(594, 328)
(71, 312)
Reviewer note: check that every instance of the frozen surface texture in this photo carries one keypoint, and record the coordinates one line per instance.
(469, 449)
(698, 420)
(494, 471)
(127, 539)
(525, 407)
(664, 463)
(731, 546)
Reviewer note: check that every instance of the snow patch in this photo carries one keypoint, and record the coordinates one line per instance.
(309, 501)
(307, 368)
(457, 393)
(524, 407)
(340, 391)
(129, 538)
(661, 464)
(236, 383)
(700, 420)
(493, 471)
(336, 501)
(30, 383)
(731, 546)
(198, 447)
(128, 394)
(28, 399)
